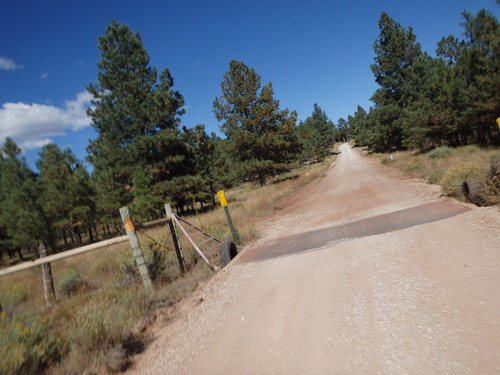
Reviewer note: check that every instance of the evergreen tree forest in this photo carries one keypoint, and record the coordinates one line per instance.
(424, 102)
(144, 156)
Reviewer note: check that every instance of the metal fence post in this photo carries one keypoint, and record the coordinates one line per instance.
(223, 203)
(175, 238)
(136, 249)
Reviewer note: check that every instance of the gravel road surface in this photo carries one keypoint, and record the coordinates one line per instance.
(424, 299)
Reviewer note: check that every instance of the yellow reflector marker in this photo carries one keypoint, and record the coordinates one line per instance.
(129, 224)
(222, 198)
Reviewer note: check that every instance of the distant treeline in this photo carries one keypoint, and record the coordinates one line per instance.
(423, 102)
(143, 157)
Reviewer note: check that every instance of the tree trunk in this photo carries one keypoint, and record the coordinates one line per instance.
(262, 178)
(96, 231)
(70, 231)
(78, 234)
(20, 253)
(65, 238)
(91, 236)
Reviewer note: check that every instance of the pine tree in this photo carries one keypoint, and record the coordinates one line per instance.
(20, 211)
(430, 118)
(317, 134)
(136, 117)
(4, 239)
(261, 137)
(67, 198)
(358, 126)
(204, 154)
(342, 133)
(396, 51)
(479, 60)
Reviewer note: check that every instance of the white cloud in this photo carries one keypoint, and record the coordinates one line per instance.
(36, 143)
(44, 76)
(32, 125)
(8, 64)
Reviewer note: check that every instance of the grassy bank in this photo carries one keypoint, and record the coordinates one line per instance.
(467, 173)
(102, 311)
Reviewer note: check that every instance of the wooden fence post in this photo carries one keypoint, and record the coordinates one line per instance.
(175, 238)
(48, 282)
(136, 249)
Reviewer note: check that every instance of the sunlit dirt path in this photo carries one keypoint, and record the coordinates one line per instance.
(418, 299)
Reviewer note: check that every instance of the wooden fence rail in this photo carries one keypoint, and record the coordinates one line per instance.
(65, 254)
(80, 250)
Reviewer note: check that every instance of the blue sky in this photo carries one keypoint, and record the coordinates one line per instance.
(312, 52)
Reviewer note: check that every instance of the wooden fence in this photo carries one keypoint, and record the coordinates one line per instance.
(174, 223)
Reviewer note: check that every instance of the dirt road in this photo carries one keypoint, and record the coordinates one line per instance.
(415, 299)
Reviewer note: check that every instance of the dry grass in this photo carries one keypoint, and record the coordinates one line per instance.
(450, 168)
(102, 309)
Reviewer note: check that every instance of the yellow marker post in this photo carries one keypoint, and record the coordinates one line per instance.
(222, 198)
(223, 203)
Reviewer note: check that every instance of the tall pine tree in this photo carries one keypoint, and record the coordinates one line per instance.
(67, 198)
(317, 134)
(479, 62)
(396, 50)
(138, 151)
(20, 212)
(261, 137)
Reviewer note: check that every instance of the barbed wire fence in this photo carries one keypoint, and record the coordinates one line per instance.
(110, 266)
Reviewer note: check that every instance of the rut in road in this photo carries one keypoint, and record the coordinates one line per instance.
(423, 299)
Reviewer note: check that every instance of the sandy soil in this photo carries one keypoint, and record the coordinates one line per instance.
(422, 300)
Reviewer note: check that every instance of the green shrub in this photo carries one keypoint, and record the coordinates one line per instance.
(26, 344)
(440, 152)
(70, 281)
(453, 179)
(156, 262)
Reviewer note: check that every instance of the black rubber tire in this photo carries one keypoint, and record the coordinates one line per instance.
(228, 252)
(471, 188)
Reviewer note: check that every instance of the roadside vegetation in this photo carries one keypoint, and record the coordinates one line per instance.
(102, 312)
(426, 102)
(468, 173)
(143, 157)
